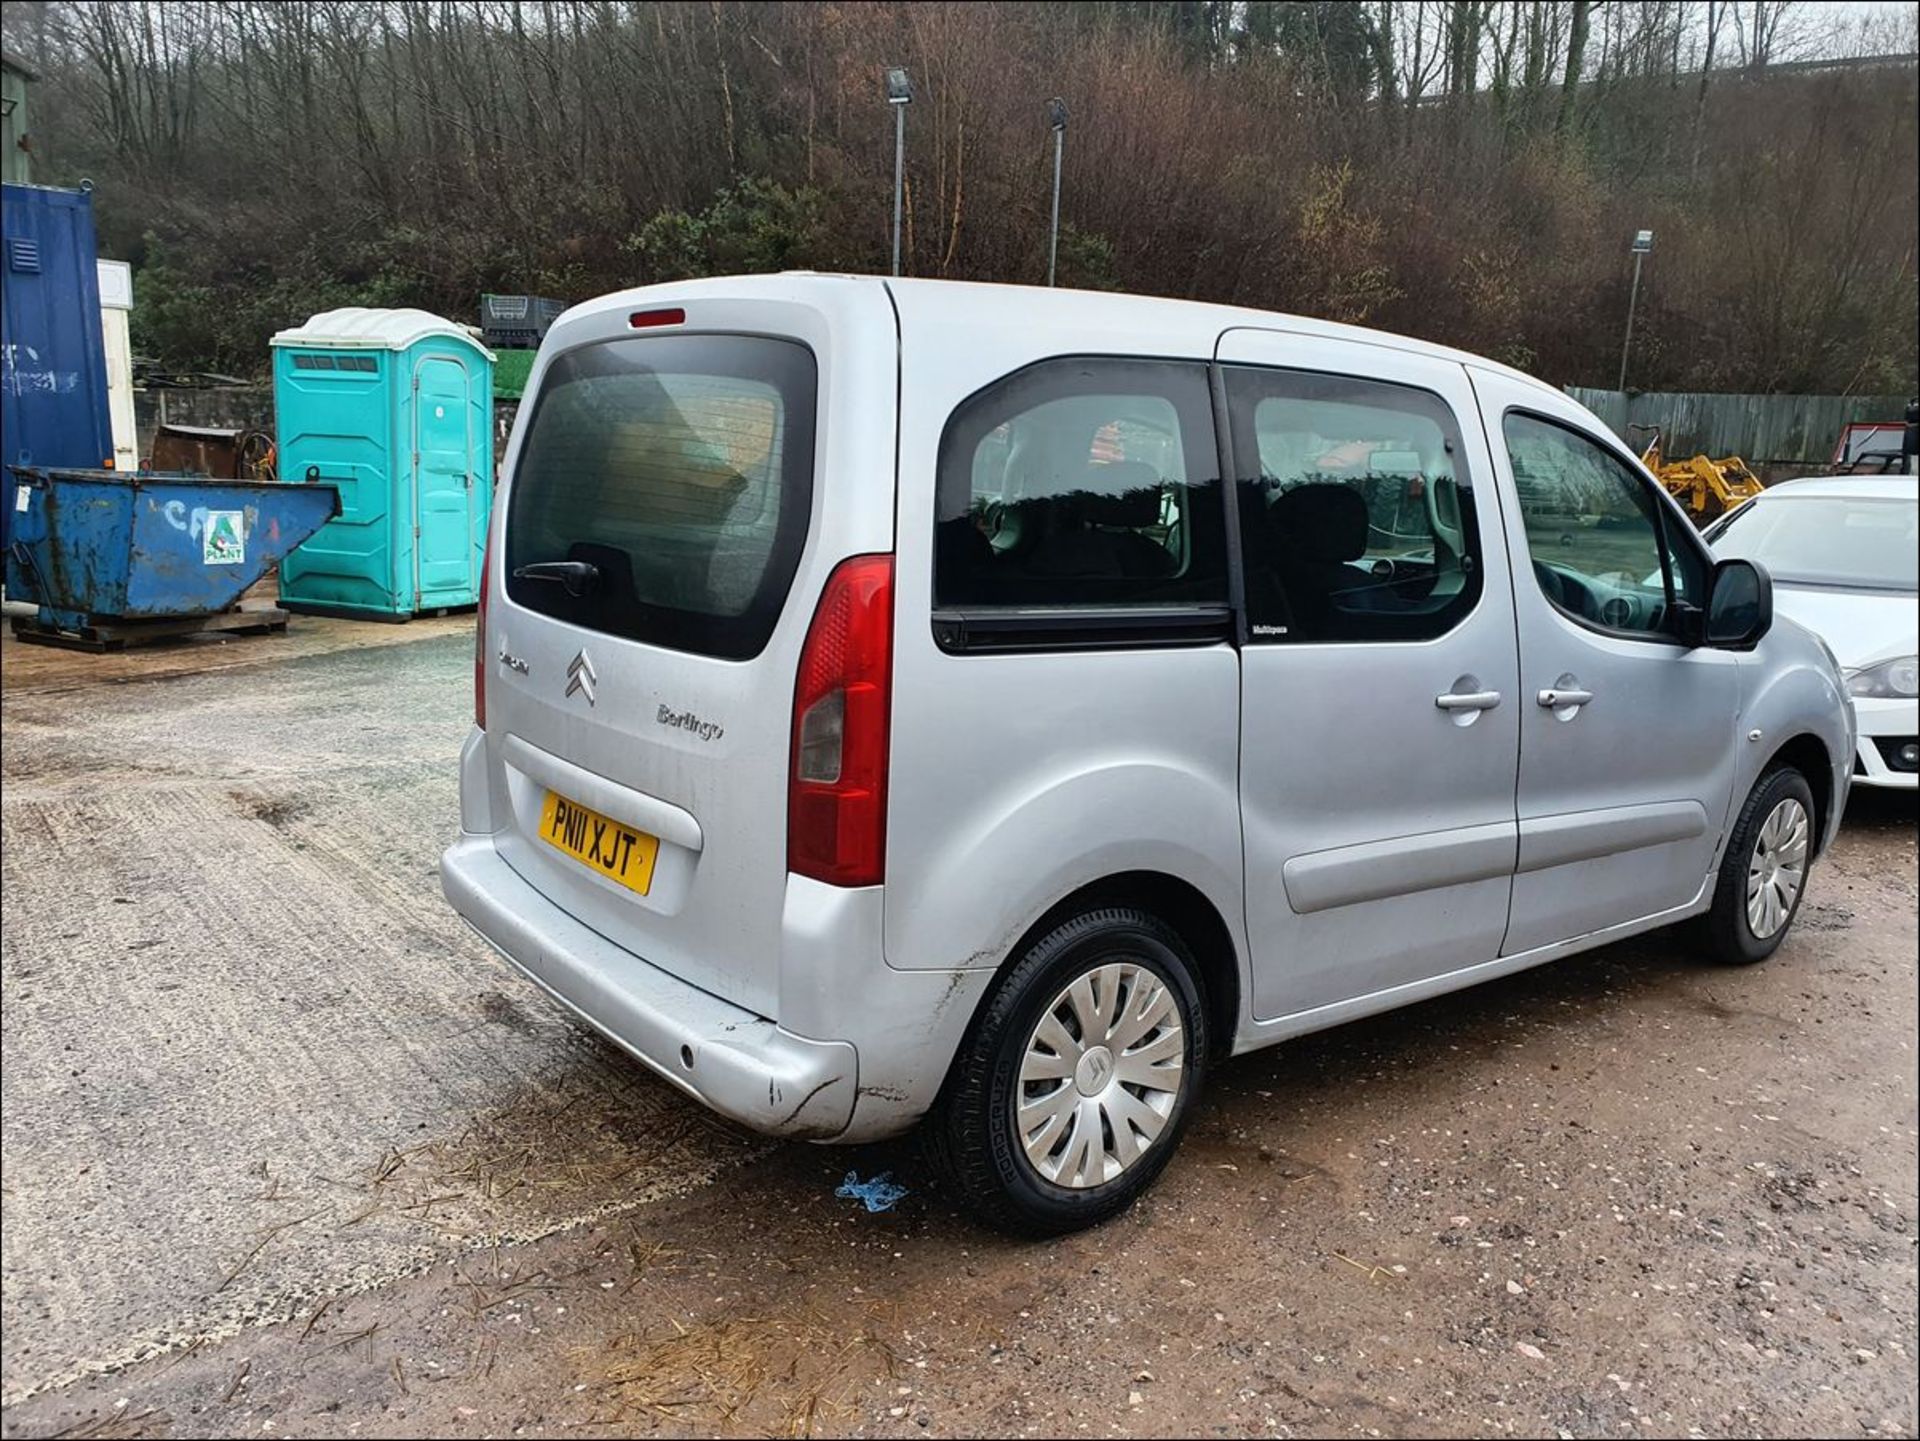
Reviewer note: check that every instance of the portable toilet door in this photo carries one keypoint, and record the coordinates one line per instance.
(395, 408)
(450, 428)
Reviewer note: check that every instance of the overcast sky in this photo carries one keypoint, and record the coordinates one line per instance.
(1825, 27)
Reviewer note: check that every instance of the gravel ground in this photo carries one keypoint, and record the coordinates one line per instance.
(249, 1052)
(287, 1152)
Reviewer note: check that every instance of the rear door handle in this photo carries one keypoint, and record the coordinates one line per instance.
(1554, 697)
(1468, 700)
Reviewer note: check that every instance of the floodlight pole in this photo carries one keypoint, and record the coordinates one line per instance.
(1633, 298)
(899, 162)
(899, 96)
(1057, 117)
(1642, 244)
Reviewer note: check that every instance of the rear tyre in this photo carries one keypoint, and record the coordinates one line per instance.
(1075, 1083)
(1763, 875)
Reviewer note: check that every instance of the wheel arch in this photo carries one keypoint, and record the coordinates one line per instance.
(1183, 906)
(1809, 755)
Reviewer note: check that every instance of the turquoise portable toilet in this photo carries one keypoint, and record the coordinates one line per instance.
(395, 409)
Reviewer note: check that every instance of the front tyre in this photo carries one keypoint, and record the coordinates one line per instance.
(1763, 876)
(1075, 1084)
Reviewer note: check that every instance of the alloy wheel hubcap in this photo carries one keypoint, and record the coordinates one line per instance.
(1100, 1076)
(1777, 869)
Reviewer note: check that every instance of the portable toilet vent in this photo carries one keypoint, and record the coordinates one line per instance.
(395, 409)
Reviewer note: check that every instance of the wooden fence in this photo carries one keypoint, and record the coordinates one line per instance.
(1764, 429)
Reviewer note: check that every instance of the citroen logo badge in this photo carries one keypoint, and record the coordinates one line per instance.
(581, 677)
(1094, 1071)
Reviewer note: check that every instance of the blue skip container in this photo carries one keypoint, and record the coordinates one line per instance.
(113, 558)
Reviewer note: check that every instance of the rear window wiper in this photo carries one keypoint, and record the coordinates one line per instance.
(578, 576)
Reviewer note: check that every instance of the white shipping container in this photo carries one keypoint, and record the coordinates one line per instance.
(116, 307)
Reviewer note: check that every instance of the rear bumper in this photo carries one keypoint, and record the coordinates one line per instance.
(742, 1065)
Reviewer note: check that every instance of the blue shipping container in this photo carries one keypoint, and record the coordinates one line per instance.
(394, 407)
(53, 367)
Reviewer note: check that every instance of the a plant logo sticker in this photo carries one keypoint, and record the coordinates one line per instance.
(224, 541)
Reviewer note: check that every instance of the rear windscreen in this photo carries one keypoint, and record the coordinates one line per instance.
(675, 474)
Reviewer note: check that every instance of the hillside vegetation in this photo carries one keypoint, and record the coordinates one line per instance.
(1470, 172)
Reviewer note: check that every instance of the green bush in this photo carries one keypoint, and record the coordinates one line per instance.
(224, 321)
(754, 226)
(1086, 261)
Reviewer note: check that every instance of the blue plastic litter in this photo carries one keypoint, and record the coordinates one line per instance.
(880, 1193)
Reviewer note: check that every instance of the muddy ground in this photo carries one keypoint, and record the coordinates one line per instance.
(287, 1152)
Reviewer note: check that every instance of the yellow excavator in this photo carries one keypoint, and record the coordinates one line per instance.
(1707, 488)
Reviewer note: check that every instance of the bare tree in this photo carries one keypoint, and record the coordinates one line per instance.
(1763, 28)
(1716, 14)
(1576, 57)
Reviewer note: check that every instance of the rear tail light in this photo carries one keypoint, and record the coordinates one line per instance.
(837, 786)
(480, 636)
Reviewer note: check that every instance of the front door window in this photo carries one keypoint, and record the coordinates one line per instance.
(1598, 536)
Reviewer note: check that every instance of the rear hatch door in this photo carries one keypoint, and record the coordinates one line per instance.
(668, 524)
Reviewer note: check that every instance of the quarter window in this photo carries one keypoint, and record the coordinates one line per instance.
(1358, 523)
(1082, 482)
(1601, 547)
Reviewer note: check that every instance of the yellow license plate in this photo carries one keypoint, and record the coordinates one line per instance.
(618, 852)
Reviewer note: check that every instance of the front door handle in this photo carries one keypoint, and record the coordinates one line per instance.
(1468, 700)
(1554, 697)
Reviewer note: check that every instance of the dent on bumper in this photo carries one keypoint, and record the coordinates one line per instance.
(739, 1064)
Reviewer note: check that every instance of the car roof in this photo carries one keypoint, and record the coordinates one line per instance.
(1189, 324)
(1172, 327)
(1848, 487)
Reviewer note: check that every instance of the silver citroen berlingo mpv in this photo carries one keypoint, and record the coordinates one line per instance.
(982, 707)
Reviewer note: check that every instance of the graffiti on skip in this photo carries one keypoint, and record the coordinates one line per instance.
(193, 522)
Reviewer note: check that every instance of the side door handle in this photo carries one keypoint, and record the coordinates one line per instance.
(1468, 700)
(1558, 697)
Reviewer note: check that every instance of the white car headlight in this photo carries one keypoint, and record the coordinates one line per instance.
(1898, 677)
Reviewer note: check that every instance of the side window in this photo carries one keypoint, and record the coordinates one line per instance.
(1598, 536)
(1082, 482)
(1359, 525)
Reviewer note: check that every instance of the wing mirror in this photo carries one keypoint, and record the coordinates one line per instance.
(1739, 605)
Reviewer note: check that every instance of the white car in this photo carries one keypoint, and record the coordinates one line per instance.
(1842, 552)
